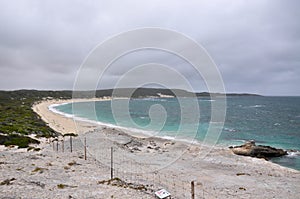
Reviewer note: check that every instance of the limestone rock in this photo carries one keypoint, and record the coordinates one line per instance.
(259, 151)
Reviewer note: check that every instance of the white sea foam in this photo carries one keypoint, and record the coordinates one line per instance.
(186, 140)
(207, 100)
(53, 109)
(230, 129)
(257, 106)
(129, 130)
(293, 153)
(134, 130)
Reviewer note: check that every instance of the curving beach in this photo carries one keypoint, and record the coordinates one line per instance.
(149, 163)
(172, 99)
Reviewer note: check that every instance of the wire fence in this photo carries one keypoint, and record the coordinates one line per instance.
(117, 163)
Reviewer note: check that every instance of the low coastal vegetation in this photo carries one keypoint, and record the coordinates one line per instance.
(121, 183)
(18, 120)
(19, 140)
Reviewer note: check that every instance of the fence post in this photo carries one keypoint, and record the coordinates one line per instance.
(63, 145)
(193, 189)
(71, 143)
(84, 148)
(111, 164)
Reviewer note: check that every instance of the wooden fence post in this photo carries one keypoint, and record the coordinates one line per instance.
(63, 145)
(193, 190)
(85, 148)
(111, 164)
(71, 143)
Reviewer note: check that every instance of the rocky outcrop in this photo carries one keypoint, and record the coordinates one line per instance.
(259, 151)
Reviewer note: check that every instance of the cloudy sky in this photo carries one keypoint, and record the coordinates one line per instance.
(255, 44)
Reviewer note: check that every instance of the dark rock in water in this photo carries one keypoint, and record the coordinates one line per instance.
(259, 151)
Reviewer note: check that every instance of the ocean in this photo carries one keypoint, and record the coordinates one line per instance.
(273, 121)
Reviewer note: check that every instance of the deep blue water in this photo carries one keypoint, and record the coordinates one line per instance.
(273, 121)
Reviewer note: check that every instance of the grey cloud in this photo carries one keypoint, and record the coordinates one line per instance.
(256, 44)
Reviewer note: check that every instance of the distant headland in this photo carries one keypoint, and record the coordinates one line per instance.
(119, 92)
(18, 120)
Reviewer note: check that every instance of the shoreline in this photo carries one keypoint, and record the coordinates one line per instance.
(39, 108)
(59, 122)
(85, 125)
(131, 131)
(152, 162)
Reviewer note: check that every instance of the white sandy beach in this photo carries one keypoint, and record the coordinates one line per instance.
(142, 161)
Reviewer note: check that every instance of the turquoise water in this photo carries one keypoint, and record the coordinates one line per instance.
(273, 121)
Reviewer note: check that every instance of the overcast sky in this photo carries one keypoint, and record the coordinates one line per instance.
(255, 44)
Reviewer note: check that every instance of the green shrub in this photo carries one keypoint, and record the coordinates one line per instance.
(17, 140)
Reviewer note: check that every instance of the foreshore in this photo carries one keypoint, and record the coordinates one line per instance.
(149, 161)
(60, 123)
